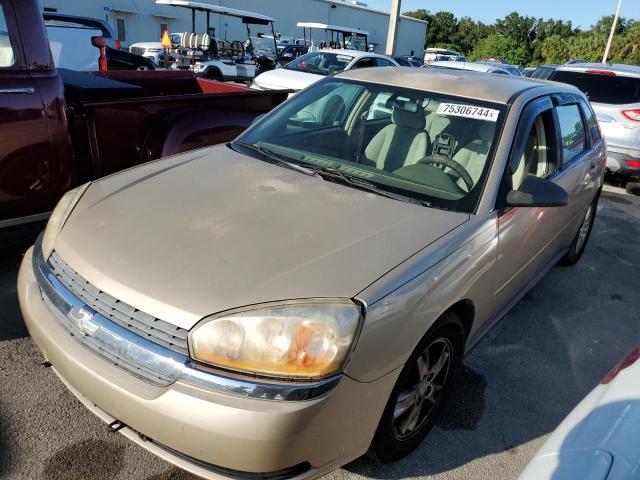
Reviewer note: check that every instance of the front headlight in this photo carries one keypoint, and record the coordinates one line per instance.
(302, 339)
(59, 217)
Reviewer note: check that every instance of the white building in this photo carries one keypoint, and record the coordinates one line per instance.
(143, 20)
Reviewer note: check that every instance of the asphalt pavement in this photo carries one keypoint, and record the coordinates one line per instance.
(518, 383)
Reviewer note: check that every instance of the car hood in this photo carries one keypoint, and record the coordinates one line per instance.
(210, 230)
(282, 78)
(147, 45)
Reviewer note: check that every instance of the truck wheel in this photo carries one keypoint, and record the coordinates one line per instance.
(214, 75)
(582, 237)
(420, 391)
(633, 188)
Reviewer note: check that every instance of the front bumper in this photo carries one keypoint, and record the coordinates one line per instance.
(212, 433)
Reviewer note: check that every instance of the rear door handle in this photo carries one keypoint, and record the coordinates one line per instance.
(28, 90)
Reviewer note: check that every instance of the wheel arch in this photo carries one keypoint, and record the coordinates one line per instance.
(466, 310)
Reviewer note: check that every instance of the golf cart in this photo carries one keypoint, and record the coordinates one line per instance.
(216, 58)
(339, 37)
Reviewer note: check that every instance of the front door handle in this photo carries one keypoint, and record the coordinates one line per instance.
(27, 90)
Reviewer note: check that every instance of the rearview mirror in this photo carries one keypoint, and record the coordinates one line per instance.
(538, 192)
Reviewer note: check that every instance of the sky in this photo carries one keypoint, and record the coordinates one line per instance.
(582, 13)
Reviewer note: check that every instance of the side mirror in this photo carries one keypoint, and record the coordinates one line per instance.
(538, 192)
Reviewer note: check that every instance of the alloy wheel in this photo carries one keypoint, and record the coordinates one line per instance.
(583, 233)
(425, 382)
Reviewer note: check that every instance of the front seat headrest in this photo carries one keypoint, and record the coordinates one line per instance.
(409, 115)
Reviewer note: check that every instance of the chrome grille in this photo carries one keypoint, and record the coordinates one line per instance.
(137, 50)
(138, 322)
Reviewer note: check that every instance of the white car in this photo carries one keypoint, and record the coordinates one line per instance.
(600, 439)
(314, 66)
(474, 66)
(152, 50)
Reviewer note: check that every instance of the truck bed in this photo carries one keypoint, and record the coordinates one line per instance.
(125, 118)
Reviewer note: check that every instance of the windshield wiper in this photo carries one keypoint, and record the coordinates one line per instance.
(334, 174)
(274, 158)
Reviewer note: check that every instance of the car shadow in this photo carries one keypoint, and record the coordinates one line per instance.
(11, 323)
(5, 445)
(530, 371)
(86, 459)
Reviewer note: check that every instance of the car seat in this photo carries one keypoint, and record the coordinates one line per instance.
(473, 156)
(401, 143)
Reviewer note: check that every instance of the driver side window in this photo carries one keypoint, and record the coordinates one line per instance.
(539, 157)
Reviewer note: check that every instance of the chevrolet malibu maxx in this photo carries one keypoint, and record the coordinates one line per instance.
(280, 305)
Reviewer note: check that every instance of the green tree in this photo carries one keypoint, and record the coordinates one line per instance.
(529, 41)
(554, 49)
(442, 28)
(500, 47)
(518, 28)
(469, 33)
(604, 25)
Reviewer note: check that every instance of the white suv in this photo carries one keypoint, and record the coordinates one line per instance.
(614, 93)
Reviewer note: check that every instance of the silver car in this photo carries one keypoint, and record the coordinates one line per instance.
(287, 302)
(496, 68)
(614, 93)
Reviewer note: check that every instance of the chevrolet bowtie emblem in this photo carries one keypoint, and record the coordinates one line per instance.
(83, 320)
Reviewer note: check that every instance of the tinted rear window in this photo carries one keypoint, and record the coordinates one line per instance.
(602, 88)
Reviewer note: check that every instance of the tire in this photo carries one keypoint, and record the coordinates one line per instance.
(582, 236)
(213, 74)
(633, 188)
(390, 442)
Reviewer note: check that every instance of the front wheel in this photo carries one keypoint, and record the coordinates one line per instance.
(214, 75)
(420, 391)
(582, 237)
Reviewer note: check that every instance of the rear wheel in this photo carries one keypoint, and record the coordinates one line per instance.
(420, 391)
(582, 237)
(633, 188)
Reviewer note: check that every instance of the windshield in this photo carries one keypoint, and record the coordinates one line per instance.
(353, 41)
(321, 63)
(263, 46)
(429, 147)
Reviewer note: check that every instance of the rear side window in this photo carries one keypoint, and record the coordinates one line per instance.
(616, 90)
(542, 73)
(592, 123)
(365, 63)
(381, 62)
(6, 50)
(572, 132)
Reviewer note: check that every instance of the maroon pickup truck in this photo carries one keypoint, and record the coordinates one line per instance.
(61, 128)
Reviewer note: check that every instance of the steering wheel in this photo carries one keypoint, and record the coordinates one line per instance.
(452, 164)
